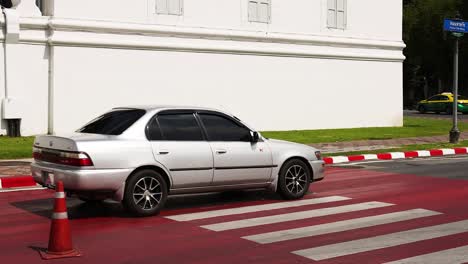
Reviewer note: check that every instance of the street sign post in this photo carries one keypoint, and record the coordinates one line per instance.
(458, 27)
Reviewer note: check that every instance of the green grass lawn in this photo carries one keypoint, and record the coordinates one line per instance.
(413, 127)
(15, 148)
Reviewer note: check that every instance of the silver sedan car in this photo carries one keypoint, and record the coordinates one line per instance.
(140, 155)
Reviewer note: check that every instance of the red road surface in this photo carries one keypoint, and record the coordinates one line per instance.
(106, 234)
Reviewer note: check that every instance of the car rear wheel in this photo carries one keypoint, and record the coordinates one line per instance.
(294, 179)
(422, 109)
(145, 193)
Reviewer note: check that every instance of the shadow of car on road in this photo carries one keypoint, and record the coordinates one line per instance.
(78, 209)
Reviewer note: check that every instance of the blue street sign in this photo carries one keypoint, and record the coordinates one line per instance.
(459, 26)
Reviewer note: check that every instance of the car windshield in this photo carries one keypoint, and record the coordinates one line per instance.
(113, 123)
(461, 97)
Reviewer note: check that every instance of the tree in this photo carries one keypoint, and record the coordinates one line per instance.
(429, 63)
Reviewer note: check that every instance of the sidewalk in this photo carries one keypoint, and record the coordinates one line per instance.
(366, 145)
(10, 168)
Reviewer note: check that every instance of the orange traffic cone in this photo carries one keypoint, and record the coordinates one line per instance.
(60, 244)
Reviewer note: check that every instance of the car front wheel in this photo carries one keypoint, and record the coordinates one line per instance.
(422, 109)
(145, 193)
(449, 110)
(294, 179)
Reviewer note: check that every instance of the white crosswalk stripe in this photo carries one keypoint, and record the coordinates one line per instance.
(294, 216)
(345, 248)
(453, 256)
(383, 241)
(340, 226)
(255, 208)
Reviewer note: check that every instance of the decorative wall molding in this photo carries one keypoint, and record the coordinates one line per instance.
(86, 33)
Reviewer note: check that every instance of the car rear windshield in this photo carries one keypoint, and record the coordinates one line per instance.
(461, 97)
(113, 123)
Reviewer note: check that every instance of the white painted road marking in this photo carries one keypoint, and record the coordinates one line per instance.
(340, 159)
(384, 241)
(340, 226)
(423, 153)
(255, 208)
(32, 188)
(370, 156)
(398, 155)
(294, 216)
(453, 256)
(448, 151)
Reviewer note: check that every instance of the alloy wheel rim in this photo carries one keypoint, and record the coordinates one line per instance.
(296, 179)
(147, 193)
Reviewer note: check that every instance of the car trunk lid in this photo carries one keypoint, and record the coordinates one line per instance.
(65, 149)
(55, 143)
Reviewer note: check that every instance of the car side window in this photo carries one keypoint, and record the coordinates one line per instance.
(444, 98)
(181, 127)
(220, 128)
(433, 98)
(153, 132)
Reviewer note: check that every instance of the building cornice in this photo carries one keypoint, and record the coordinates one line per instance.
(88, 33)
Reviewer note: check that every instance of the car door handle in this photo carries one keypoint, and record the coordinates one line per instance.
(163, 152)
(221, 151)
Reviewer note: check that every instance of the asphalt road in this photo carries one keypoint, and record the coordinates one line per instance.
(415, 113)
(385, 212)
(455, 167)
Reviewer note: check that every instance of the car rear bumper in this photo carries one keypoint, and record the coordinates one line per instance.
(81, 180)
(318, 167)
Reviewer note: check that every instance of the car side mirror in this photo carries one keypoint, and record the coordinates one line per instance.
(254, 137)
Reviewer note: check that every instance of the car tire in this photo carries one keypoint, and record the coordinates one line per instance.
(422, 109)
(448, 110)
(145, 193)
(294, 179)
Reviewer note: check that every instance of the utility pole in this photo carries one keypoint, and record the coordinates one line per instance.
(455, 132)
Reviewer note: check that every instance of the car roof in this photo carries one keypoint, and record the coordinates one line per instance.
(151, 109)
(167, 107)
(157, 108)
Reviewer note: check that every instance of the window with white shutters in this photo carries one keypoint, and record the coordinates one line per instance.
(260, 11)
(169, 7)
(336, 14)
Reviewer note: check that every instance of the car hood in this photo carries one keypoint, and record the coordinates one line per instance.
(276, 143)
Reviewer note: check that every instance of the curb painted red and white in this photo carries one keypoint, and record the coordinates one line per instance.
(17, 182)
(396, 155)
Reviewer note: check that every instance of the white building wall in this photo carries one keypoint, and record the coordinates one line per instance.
(293, 73)
(303, 93)
(370, 19)
(27, 75)
(110, 10)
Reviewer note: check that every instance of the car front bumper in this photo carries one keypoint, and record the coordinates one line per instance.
(463, 108)
(318, 168)
(80, 179)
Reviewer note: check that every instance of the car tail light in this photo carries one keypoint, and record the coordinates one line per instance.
(318, 155)
(77, 159)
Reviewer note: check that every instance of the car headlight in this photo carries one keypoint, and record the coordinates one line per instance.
(318, 155)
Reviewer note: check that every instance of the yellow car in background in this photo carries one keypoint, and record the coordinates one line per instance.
(443, 103)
